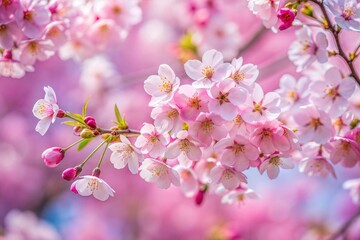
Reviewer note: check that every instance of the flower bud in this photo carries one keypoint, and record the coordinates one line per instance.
(90, 121)
(286, 16)
(53, 156)
(71, 173)
(60, 114)
(199, 198)
(87, 133)
(96, 172)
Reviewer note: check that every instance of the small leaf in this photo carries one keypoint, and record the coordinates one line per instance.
(84, 143)
(72, 123)
(117, 113)
(85, 107)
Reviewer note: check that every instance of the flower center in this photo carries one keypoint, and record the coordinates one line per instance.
(238, 76)
(93, 184)
(159, 170)
(223, 97)
(207, 126)
(194, 103)
(184, 145)
(293, 95)
(172, 114)
(275, 161)
(116, 9)
(153, 139)
(3, 28)
(238, 148)
(33, 47)
(258, 108)
(166, 85)
(207, 72)
(348, 13)
(28, 15)
(227, 174)
(315, 122)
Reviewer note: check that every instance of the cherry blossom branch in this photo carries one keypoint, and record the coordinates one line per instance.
(335, 33)
(118, 132)
(345, 226)
(252, 40)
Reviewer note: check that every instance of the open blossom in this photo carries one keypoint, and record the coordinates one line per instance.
(266, 10)
(152, 170)
(304, 51)
(10, 67)
(188, 182)
(237, 152)
(191, 102)
(346, 13)
(239, 195)
(104, 33)
(91, 185)
(162, 86)
(211, 69)
(243, 74)
(8, 34)
(316, 166)
(354, 186)
(227, 177)
(151, 142)
(167, 119)
(344, 151)
(208, 126)
(32, 16)
(46, 110)
(184, 149)
(332, 94)
(292, 92)
(225, 97)
(314, 125)
(124, 153)
(261, 108)
(36, 50)
(273, 163)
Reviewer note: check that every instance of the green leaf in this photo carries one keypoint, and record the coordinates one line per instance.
(117, 113)
(85, 107)
(84, 143)
(72, 123)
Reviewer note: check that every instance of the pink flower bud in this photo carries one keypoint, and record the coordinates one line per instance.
(96, 172)
(90, 121)
(71, 173)
(60, 114)
(286, 16)
(199, 198)
(53, 156)
(73, 188)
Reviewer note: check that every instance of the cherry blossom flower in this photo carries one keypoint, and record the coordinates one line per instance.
(346, 13)
(8, 34)
(162, 86)
(344, 151)
(227, 177)
(152, 170)
(191, 102)
(225, 99)
(124, 12)
(354, 186)
(273, 163)
(314, 125)
(188, 182)
(266, 10)
(316, 166)
(293, 93)
(243, 74)
(331, 95)
(35, 50)
(211, 69)
(151, 142)
(91, 185)
(260, 107)
(238, 126)
(237, 152)
(167, 119)
(124, 153)
(55, 32)
(203, 169)
(206, 128)
(104, 33)
(239, 196)
(32, 16)
(46, 110)
(269, 136)
(10, 67)
(184, 149)
(304, 51)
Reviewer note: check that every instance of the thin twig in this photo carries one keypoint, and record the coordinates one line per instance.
(252, 41)
(342, 230)
(335, 34)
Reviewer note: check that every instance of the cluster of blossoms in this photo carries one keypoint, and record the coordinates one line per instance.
(32, 30)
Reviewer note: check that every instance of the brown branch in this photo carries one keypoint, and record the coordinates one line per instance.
(335, 34)
(118, 132)
(252, 40)
(342, 230)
